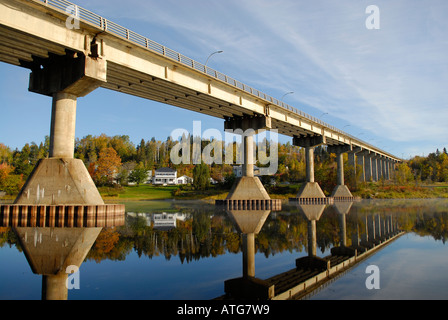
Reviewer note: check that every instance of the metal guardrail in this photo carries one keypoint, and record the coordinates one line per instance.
(109, 26)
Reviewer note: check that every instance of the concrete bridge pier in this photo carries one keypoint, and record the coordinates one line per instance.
(248, 191)
(61, 179)
(352, 155)
(310, 189)
(368, 165)
(341, 190)
(248, 186)
(360, 159)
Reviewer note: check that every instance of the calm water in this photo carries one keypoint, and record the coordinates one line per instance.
(150, 258)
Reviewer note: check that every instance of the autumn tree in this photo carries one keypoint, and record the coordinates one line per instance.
(108, 165)
(9, 182)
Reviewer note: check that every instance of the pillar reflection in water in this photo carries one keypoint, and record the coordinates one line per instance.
(248, 223)
(312, 212)
(49, 251)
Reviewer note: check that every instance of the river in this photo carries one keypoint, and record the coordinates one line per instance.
(176, 250)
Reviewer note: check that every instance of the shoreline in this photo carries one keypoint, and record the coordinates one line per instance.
(283, 192)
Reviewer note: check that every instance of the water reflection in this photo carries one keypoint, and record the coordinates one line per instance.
(314, 238)
(53, 252)
(311, 271)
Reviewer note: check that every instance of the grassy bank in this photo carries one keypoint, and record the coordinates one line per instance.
(365, 191)
(390, 191)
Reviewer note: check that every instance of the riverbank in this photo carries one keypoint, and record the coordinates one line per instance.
(371, 190)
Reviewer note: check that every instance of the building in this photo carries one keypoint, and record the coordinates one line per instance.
(184, 180)
(167, 221)
(238, 171)
(165, 176)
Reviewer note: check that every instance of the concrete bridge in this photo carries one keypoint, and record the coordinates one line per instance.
(71, 51)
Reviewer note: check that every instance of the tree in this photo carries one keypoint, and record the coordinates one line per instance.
(108, 166)
(9, 182)
(404, 174)
(139, 174)
(201, 177)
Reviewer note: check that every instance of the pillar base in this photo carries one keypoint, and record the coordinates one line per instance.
(249, 288)
(248, 188)
(341, 191)
(310, 190)
(57, 181)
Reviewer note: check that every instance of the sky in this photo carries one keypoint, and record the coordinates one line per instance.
(386, 85)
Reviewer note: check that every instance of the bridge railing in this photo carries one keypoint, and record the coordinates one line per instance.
(111, 27)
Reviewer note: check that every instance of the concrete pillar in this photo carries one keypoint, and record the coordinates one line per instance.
(54, 286)
(61, 179)
(360, 160)
(371, 227)
(374, 169)
(63, 122)
(368, 168)
(248, 165)
(248, 255)
(309, 160)
(380, 168)
(310, 189)
(248, 187)
(312, 238)
(343, 230)
(377, 226)
(340, 168)
(341, 190)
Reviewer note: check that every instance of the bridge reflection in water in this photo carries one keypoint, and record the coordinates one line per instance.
(311, 272)
(57, 239)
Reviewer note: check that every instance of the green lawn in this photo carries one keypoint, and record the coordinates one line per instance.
(142, 192)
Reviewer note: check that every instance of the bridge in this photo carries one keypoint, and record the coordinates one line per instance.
(71, 51)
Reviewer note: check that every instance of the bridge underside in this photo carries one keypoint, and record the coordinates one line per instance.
(23, 50)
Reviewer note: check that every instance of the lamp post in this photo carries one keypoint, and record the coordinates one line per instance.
(220, 51)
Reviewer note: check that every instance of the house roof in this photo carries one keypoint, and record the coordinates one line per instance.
(165, 170)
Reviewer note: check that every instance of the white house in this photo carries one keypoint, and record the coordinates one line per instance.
(238, 171)
(166, 221)
(165, 176)
(184, 180)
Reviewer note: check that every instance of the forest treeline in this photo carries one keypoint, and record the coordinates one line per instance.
(118, 159)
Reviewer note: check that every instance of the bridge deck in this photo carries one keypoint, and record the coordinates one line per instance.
(34, 31)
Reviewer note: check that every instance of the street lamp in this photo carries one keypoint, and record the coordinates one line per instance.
(286, 95)
(220, 51)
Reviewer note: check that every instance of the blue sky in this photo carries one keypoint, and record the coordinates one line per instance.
(386, 86)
